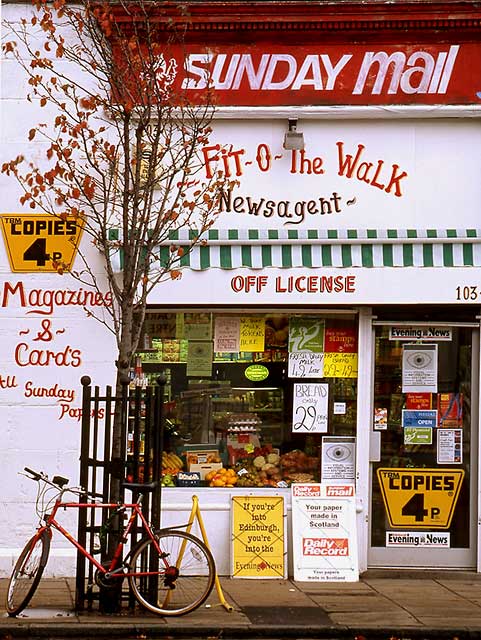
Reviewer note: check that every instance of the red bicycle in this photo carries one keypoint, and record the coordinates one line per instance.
(170, 572)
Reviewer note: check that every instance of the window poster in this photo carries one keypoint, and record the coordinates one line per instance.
(338, 459)
(227, 334)
(450, 410)
(306, 348)
(419, 401)
(420, 368)
(310, 408)
(380, 418)
(449, 446)
(197, 326)
(200, 354)
(252, 334)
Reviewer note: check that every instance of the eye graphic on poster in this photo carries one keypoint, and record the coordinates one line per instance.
(419, 359)
(338, 462)
(338, 452)
(420, 368)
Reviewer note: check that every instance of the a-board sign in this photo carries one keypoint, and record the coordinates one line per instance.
(258, 537)
(324, 538)
(419, 498)
(40, 242)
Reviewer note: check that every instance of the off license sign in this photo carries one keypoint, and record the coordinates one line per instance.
(37, 242)
(418, 498)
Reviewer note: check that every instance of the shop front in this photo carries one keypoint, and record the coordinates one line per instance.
(327, 330)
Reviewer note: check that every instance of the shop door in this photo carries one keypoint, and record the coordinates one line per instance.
(424, 462)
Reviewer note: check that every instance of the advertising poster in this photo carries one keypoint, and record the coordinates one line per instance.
(258, 537)
(420, 368)
(380, 418)
(340, 352)
(418, 435)
(450, 410)
(310, 408)
(338, 459)
(419, 418)
(306, 348)
(450, 446)
(420, 498)
(419, 401)
(324, 533)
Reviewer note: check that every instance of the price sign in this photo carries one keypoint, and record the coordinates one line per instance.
(305, 364)
(340, 365)
(310, 408)
(40, 242)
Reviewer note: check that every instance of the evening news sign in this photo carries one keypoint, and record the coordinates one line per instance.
(333, 74)
(40, 242)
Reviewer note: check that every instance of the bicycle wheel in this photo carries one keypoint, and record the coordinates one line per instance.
(178, 580)
(27, 572)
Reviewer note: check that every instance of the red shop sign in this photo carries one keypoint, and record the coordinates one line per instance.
(332, 74)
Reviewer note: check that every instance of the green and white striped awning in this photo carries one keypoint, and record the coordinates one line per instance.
(285, 248)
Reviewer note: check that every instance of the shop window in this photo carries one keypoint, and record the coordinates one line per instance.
(253, 400)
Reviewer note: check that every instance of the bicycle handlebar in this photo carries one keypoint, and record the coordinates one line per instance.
(35, 475)
(59, 482)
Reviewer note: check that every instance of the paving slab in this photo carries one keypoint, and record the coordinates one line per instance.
(378, 608)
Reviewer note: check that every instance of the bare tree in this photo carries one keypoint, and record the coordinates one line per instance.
(122, 153)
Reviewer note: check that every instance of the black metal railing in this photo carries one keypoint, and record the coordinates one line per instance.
(138, 417)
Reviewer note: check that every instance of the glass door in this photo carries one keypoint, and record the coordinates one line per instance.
(423, 512)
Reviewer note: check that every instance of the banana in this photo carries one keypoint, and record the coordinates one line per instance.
(171, 461)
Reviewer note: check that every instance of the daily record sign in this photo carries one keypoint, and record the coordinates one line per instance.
(324, 532)
(40, 242)
(419, 498)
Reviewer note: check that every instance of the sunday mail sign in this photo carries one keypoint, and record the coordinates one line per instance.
(351, 74)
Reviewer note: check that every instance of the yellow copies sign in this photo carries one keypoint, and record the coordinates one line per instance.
(418, 498)
(258, 541)
(37, 242)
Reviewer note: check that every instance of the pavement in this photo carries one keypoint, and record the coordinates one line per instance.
(384, 604)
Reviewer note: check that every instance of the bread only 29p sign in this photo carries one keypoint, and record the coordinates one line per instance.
(40, 242)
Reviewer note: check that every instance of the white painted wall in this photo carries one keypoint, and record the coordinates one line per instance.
(39, 432)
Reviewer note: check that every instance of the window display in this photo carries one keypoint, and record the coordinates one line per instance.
(249, 398)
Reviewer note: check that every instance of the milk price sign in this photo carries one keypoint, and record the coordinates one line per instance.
(324, 532)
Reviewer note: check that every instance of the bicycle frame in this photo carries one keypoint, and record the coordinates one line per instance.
(113, 570)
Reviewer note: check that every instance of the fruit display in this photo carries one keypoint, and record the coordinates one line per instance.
(297, 466)
(171, 463)
(261, 467)
(168, 480)
(222, 478)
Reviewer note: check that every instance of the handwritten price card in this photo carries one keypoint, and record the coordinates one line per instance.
(310, 408)
(340, 365)
(252, 334)
(258, 540)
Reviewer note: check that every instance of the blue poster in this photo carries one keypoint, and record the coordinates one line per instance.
(419, 418)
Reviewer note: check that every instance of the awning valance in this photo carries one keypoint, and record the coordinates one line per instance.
(338, 248)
